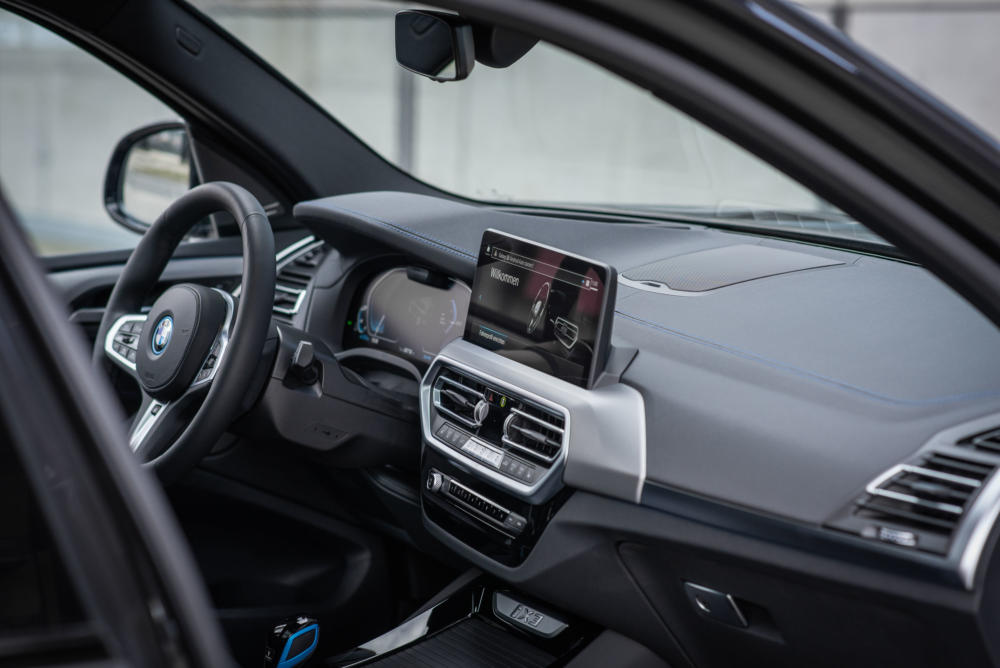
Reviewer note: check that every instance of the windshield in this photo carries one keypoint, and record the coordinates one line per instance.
(553, 129)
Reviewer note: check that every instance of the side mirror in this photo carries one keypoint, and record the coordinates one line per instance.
(149, 169)
(436, 45)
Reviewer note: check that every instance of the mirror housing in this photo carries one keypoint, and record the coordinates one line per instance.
(436, 45)
(149, 169)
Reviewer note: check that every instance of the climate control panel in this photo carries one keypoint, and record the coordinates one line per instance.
(514, 439)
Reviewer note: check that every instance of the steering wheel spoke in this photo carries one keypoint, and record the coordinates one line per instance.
(158, 423)
(121, 344)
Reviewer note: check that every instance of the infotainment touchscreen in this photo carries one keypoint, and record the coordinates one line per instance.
(542, 307)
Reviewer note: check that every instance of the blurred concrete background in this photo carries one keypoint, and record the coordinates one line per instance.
(552, 127)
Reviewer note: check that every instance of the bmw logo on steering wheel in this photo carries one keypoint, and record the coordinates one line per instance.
(161, 335)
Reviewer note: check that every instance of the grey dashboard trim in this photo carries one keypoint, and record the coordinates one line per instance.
(605, 448)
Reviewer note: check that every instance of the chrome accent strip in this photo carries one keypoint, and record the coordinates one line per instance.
(291, 248)
(979, 441)
(506, 441)
(146, 422)
(300, 295)
(461, 386)
(931, 473)
(917, 501)
(547, 425)
(452, 414)
(109, 339)
(436, 400)
(605, 427)
(661, 288)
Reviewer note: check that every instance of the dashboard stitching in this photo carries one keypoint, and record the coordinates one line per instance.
(809, 374)
(424, 238)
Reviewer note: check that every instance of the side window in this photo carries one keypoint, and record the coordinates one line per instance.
(62, 112)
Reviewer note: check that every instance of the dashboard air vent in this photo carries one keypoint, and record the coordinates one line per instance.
(460, 397)
(920, 504)
(293, 278)
(988, 442)
(535, 431)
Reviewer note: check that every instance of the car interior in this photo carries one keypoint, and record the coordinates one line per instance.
(401, 426)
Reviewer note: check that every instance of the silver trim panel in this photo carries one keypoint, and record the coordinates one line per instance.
(605, 428)
(109, 340)
(146, 422)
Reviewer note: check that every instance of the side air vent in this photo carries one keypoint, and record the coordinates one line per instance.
(988, 442)
(534, 431)
(293, 278)
(918, 504)
(460, 397)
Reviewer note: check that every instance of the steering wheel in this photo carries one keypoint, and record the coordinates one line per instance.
(196, 349)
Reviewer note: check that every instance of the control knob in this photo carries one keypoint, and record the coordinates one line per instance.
(434, 482)
(480, 412)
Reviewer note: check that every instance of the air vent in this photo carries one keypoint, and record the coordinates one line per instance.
(988, 442)
(919, 504)
(460, 397)
(534, 431)
(293, 279)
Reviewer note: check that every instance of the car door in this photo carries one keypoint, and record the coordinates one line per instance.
(94, 567)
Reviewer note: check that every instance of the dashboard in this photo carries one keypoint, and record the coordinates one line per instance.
(802, 432)
(408, 311)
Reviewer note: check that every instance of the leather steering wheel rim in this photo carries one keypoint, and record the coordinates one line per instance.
(246, 338)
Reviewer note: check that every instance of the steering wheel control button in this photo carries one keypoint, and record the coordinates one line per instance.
(715, 605)
(184, 325)
(127, 339)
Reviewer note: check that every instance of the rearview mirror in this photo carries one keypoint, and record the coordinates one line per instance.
(436, 45)
(149, 169)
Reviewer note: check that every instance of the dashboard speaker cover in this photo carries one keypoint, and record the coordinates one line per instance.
(726, 265)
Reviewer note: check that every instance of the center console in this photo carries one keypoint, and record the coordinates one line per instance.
(530, 383)
(492, 462)
(479, 623)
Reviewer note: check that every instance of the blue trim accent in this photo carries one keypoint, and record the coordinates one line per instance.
(285, 662)
(156, 334)
(870, 394)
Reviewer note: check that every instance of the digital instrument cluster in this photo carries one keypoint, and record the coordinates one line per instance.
(406, 316)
